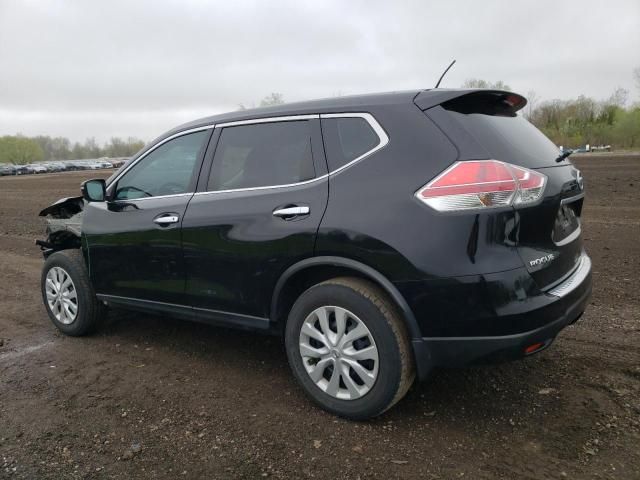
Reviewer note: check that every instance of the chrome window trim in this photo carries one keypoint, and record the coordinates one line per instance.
(373, 123)
(130, 200)
(285, 118)
(370, 119)
(253, 121)
(151, 149)
(267, 187)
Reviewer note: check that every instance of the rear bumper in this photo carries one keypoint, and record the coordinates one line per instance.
(558, 311)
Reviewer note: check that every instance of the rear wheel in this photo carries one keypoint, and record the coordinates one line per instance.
(349, 349)
(68, 295)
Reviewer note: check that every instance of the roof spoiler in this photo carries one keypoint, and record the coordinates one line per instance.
(489, 102)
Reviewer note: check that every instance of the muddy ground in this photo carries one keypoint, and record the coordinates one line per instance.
(147, 397)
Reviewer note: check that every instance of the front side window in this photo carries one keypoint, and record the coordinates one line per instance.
(347, 138)
(167, 170)
(262, 155)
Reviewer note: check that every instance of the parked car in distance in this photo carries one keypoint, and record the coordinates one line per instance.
(71, 165)
(76, 165)
(54, 166)
(118, 162)
(37, 168)
(22, 169)
(7, 169)
(380, 236)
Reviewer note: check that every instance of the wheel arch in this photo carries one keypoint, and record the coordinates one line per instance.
(59, 241)
(317, 269)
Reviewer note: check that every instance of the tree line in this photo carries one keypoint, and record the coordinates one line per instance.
(20, 149)
(571, 123)
(583, 120)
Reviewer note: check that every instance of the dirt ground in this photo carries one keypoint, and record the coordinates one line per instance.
(148, 397)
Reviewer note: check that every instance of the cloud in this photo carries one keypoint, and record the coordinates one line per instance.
(79, 68)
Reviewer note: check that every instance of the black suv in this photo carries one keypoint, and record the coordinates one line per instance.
(380, 235)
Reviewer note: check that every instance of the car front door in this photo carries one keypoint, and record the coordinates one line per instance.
(133, 240)
(256, 212)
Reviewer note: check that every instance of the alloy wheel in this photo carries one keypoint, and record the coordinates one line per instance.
(62, 297)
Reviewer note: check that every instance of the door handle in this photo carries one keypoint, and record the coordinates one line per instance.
(166, 219)
(291, 211)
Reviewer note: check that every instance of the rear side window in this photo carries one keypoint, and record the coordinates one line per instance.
(262, 155)
(347, 138)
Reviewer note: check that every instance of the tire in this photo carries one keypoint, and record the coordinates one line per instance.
(88, 310)
(388, 369)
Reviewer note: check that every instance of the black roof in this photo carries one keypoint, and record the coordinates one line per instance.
(351, 103)
(325, 105)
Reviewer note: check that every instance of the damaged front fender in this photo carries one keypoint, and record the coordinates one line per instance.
(64, 225)
(64, 208)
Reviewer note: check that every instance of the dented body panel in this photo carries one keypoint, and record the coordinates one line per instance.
(64, 208)
(64, 225)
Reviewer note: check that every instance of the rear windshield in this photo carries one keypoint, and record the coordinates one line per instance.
(510, 139)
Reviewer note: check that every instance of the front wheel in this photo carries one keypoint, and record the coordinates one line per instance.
(68, 295)
(349, 348)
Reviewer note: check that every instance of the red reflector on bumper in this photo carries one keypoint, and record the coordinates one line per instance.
(534, 347)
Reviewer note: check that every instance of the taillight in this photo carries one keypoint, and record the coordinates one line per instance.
(480, 184)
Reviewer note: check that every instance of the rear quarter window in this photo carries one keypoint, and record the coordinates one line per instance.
(346, 139)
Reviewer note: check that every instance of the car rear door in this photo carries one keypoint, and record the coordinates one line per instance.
(257, 211)
(133, 240)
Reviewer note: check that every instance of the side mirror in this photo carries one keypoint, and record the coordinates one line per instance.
(94, 190)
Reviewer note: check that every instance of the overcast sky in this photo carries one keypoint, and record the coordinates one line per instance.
(135, 68)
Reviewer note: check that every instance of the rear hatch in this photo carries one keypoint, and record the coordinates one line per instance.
(485, 125)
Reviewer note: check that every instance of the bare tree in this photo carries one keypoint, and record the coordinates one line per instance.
(272, 99)
(532, 102)
(479, 83)
(619, 97)
(475, 83)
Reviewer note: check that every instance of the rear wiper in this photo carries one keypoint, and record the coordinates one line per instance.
(564, 155)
